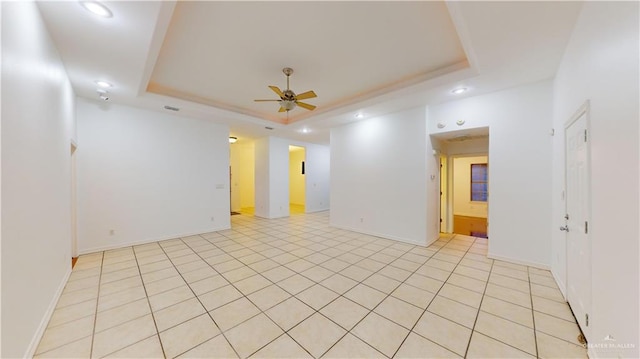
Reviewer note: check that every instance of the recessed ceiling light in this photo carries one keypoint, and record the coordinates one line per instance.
(96, 8)
(305, 130)
(103, 84)
(233, 139)
(359, 115)
(459, 90)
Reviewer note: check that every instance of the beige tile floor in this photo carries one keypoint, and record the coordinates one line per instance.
(297, 288)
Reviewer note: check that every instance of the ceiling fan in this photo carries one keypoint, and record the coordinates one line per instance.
(288, 99)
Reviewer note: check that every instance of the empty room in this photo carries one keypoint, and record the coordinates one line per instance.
(368, 179)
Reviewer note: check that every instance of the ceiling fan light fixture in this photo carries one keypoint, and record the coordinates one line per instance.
(96, 8)
(287, 104)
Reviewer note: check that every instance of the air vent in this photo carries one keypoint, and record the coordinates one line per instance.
(171, 108)
(269, 128)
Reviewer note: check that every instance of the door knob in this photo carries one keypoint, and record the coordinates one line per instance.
(565, 228)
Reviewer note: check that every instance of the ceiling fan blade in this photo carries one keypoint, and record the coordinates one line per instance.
(277, 90)
(265, 100)
(306, 95)
(306, 105)
(282, 109)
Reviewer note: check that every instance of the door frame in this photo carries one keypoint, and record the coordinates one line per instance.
(74, 201)
(584, 109)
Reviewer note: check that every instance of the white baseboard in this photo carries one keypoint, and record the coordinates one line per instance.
(519, 261)
(33, 346)
(560, 285)
(383, 235)
(317, 210)
(145, 241)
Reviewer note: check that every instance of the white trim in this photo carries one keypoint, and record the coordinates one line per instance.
(37, 336)
(385, 236)
(145, 241)
(518, 261)
(562, 286)
(317, 210)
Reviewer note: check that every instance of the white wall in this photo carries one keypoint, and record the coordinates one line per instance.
(148, 176)
(262, 179)
(519, 122)
(380, 178)
(296, 178)
(601, 65)
(317, 177)
(38, 124)
(462, 204)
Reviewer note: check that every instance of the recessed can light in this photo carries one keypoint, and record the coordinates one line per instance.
(96, 8)
(359, 115)
(305, 130)
(459, 90)
(103, 84)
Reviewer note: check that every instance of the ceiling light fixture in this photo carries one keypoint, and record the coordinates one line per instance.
(96, 8)
(459, 90)
(305, 130)
(359, 115)
(103, 84)
(233, 139)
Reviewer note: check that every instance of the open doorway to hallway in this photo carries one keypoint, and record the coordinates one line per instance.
(464, 181)
(470, 195)
(297, 188)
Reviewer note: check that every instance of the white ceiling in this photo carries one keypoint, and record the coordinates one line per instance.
(212, 59)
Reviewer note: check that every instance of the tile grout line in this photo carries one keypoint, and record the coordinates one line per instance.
(146, 294)
(533, 316)
(199, 301)
(473, 329)
(426, 309)
(95, 318)
(294, 295)
(348, 331)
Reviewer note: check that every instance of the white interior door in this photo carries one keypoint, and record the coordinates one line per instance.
(577, 225)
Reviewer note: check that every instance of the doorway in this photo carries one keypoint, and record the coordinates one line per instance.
(464, 181)
(242, 176)
(470, 191)
(577, 166)
(297, 179)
